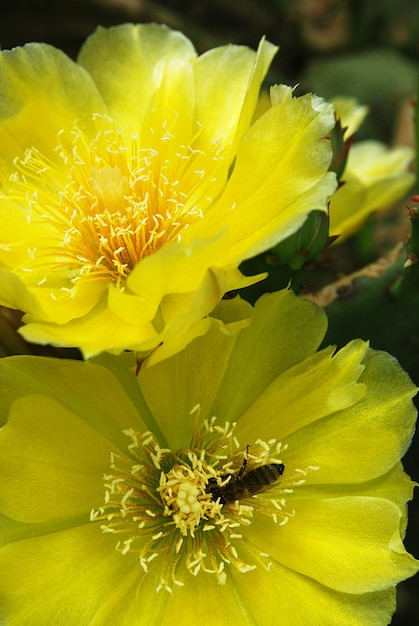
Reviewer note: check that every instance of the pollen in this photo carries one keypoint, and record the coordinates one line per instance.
(102, 203)
(183, 493)
(189, 510)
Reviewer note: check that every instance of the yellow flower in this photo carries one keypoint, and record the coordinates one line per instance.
(375, 176)
(246, 480)
(134, 183)
(350, 113)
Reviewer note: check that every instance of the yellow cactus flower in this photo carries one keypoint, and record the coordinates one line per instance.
(134, 183)
(375, 177)
(248, 479)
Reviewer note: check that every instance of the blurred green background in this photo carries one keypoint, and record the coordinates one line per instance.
(368, 49)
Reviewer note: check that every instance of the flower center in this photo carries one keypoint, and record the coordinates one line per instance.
(184, 496)
(103, 204)
(191, 509)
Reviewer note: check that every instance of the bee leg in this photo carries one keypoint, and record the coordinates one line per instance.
(243, 467)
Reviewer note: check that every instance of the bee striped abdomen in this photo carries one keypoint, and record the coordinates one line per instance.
(262, 477)
(245, 484)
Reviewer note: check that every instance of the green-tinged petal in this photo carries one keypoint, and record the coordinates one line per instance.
(295, 331)
(42, 585)
(376, 431)
(284, 598)
(212, 604)
(171, 403)
(60, 453)
(106, 591)
(220, 385)
(12, 530)
(87, 390)
(314, 389)
(374, 178)
(142, 606)
(39, 82)
(176, 386)
(124, 368)
(336, 535)
(142, 57)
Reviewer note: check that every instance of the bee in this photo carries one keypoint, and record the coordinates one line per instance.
(245, 485)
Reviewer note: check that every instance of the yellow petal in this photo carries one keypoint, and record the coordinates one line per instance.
(314, 389)
(220, 385)
(14, 294)
(43, 587)
(375, 431)
(395, 486)
(123, 324)
(203, 599)
(295, 332)
(358, 535)
(89, 333)
(142, 57)
(281, 169)
(179, 269)
(81, 387)
(14, 220)
(39, 82)
(243, 71)
(63, 454)
(284, 598)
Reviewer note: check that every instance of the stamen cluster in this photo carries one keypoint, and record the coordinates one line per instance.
(159, 505)
(106, 203)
